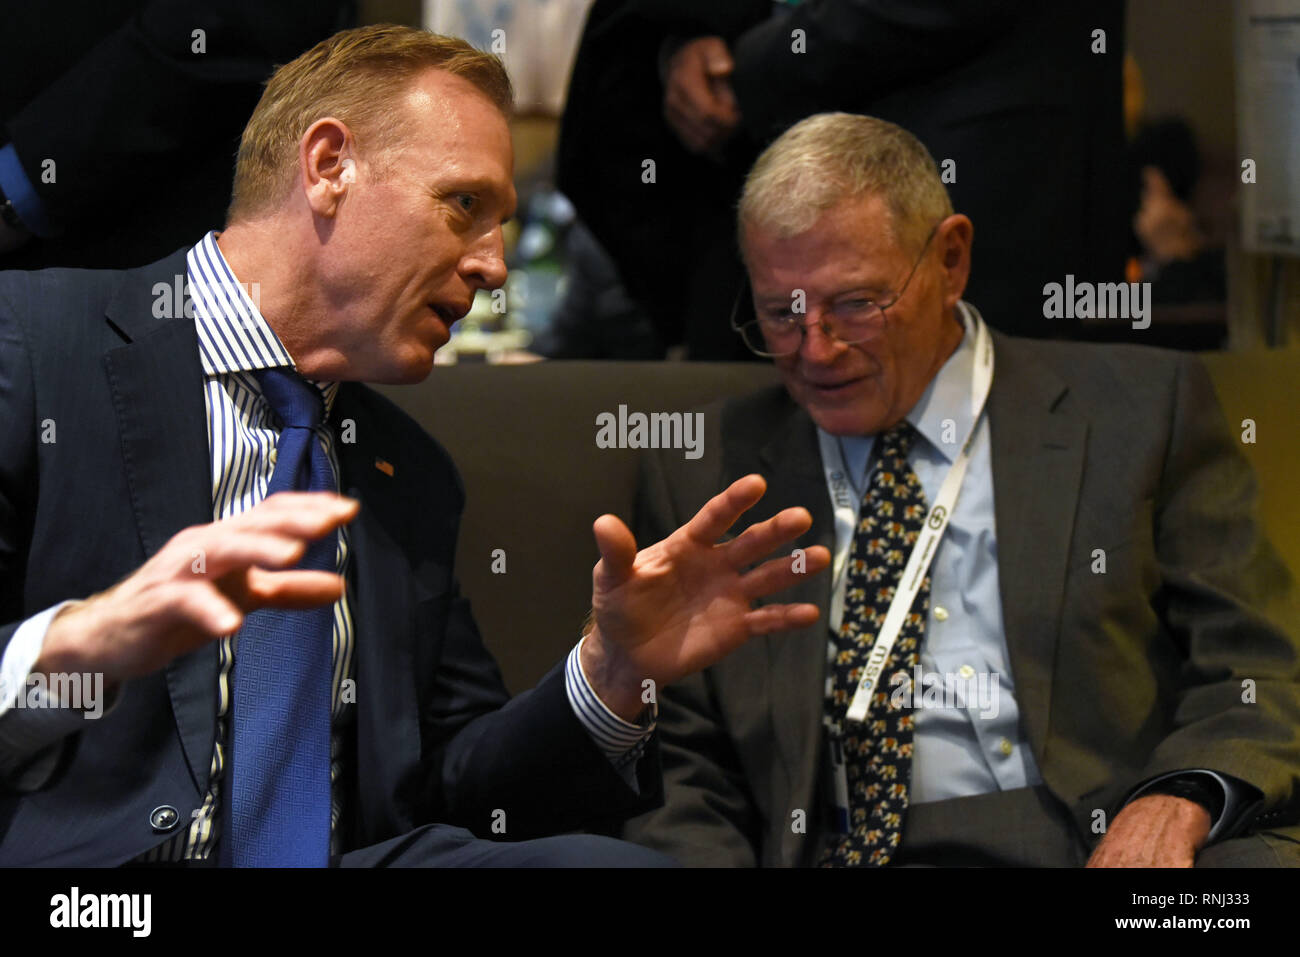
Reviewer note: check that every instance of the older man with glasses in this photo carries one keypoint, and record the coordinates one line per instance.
(1048, 583)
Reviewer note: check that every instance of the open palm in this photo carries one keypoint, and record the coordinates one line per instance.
(684, 603)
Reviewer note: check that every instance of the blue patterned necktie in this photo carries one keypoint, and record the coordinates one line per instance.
(279, 765)
(878, 752)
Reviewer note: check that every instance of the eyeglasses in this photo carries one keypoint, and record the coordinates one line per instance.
(855, 319)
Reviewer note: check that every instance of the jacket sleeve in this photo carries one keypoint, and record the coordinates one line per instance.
(708, 817)
(822, 52)
(32, 742)
(1231, 605)
(528, 768)
(513, 768)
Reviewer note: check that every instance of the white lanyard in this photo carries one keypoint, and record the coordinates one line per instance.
(846, 508)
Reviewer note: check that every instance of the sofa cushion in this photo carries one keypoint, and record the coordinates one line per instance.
(524, 438)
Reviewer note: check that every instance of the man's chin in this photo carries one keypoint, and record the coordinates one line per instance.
(862, 417)
(851, 412)
(843, 423)
(413, 369)
(419, 371)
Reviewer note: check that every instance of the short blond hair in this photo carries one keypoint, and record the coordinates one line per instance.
(829, 158)
(356, 76)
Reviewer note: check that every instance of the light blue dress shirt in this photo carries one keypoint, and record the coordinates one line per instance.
(978, 748)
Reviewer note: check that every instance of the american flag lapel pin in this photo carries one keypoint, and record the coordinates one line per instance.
(385, 466)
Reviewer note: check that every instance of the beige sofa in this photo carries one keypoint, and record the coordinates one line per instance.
(524, 438)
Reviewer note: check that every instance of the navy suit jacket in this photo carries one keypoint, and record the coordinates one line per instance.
(85, 362)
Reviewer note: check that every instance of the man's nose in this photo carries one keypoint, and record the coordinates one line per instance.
(818, 344)
(484, 265)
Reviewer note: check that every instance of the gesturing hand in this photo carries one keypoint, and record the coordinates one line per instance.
(684, 603)
(198, 587)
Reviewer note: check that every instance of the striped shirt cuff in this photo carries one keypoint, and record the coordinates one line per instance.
(621, 741)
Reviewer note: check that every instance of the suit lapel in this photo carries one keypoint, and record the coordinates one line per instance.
(791, 461)
(156, 383)
(385, 592)
(1037, 455)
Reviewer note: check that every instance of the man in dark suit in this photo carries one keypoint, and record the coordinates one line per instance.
(1016, 98)
(1095, 658)
(119, 121)
(151, 419)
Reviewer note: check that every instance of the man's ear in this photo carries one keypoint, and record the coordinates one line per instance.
(327, 171)
(953, 237)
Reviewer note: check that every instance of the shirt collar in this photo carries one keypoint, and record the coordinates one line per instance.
(234, 337)
(946, 397)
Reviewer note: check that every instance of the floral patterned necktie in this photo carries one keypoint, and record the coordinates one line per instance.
(878, 752)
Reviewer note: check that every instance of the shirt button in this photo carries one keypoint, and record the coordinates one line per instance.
(275, 454)
(966, 671)
(940, 613)
(1005, 746)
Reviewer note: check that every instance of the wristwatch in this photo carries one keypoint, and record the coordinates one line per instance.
(1194, 787)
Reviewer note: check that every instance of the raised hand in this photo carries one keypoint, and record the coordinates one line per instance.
(684, 603)
(198, 587)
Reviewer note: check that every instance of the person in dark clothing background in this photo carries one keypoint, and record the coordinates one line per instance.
(1020, 104)
(1176, 257)
(597, 319)
(106, 106)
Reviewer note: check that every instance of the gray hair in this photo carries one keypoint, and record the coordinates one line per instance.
(829, 158)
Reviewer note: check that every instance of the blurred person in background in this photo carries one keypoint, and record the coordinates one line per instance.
(1022, 100)
(119, 121)
(1176, 257)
